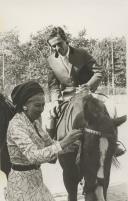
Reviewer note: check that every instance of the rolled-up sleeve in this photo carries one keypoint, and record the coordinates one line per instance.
(95, 80)
(93, 69)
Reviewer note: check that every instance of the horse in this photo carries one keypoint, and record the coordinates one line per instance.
(7, 111)
(91, 157)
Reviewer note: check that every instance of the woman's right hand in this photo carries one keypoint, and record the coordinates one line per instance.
(71, 137)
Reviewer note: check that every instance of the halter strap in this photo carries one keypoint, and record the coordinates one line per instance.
(93, 132)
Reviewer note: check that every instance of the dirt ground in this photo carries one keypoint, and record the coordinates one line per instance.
(115, 193)
(118, 193)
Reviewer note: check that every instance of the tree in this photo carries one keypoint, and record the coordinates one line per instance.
(10, 44)
(27, 61)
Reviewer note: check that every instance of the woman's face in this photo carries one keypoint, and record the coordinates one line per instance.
(35, 106)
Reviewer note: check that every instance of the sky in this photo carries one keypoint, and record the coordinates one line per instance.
(101, 18)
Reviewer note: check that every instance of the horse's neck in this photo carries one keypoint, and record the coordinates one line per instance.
(70, 111)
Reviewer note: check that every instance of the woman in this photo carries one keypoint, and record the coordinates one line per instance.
(29, 146)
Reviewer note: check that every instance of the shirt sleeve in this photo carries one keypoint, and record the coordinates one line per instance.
(91, 70)
(54, 85)
(95, 80)
(20, 136)
(43, 132)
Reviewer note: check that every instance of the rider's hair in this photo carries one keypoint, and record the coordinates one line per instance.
(57, 31)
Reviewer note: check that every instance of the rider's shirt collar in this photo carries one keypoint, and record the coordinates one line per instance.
(65, 61)
(67, 55)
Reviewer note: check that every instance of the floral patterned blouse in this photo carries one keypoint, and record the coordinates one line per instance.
(28, 144)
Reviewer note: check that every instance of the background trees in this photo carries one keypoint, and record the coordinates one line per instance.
(21, 62)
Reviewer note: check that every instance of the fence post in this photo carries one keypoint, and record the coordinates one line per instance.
(108, 80)
(3, 70)
(126, 37)
(113, 71)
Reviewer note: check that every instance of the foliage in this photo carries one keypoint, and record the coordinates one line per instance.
(112, 57)
(29, 60)
(10, 56)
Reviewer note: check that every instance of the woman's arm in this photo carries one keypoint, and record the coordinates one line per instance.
(20, 136)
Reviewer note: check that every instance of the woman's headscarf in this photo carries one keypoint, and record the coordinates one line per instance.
(22, 92)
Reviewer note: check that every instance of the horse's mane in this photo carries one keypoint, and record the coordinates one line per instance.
(7, 111)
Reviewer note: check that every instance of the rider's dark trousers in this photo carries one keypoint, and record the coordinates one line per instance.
(70, 170)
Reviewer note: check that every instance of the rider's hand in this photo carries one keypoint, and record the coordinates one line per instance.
(53, 108)
(48, 117)
(71, 137)
(50, 108)
(83, 87)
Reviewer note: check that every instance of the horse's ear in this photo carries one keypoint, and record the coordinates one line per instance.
(12, 110)
(119, 120)
(9, 107)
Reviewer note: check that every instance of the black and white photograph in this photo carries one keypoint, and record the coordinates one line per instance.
(63, 100)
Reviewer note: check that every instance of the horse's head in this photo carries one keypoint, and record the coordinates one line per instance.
(98, 147)
(95, 112)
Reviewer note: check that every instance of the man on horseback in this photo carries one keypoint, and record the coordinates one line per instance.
(69, 68)
(72, 68)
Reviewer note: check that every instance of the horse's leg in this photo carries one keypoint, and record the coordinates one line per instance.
(107, 169)
(70, 174)
(103, 148)
(90, 164)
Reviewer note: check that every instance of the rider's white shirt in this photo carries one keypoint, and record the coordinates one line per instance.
(65, 61)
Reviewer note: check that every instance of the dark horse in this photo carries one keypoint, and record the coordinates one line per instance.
(91, 157)
(7, 111)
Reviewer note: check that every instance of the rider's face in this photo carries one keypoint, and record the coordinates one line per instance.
(59, 45)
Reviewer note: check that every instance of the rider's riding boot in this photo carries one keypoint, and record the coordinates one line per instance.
(119, 151)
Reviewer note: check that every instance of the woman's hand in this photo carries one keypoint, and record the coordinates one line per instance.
(72, 137)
